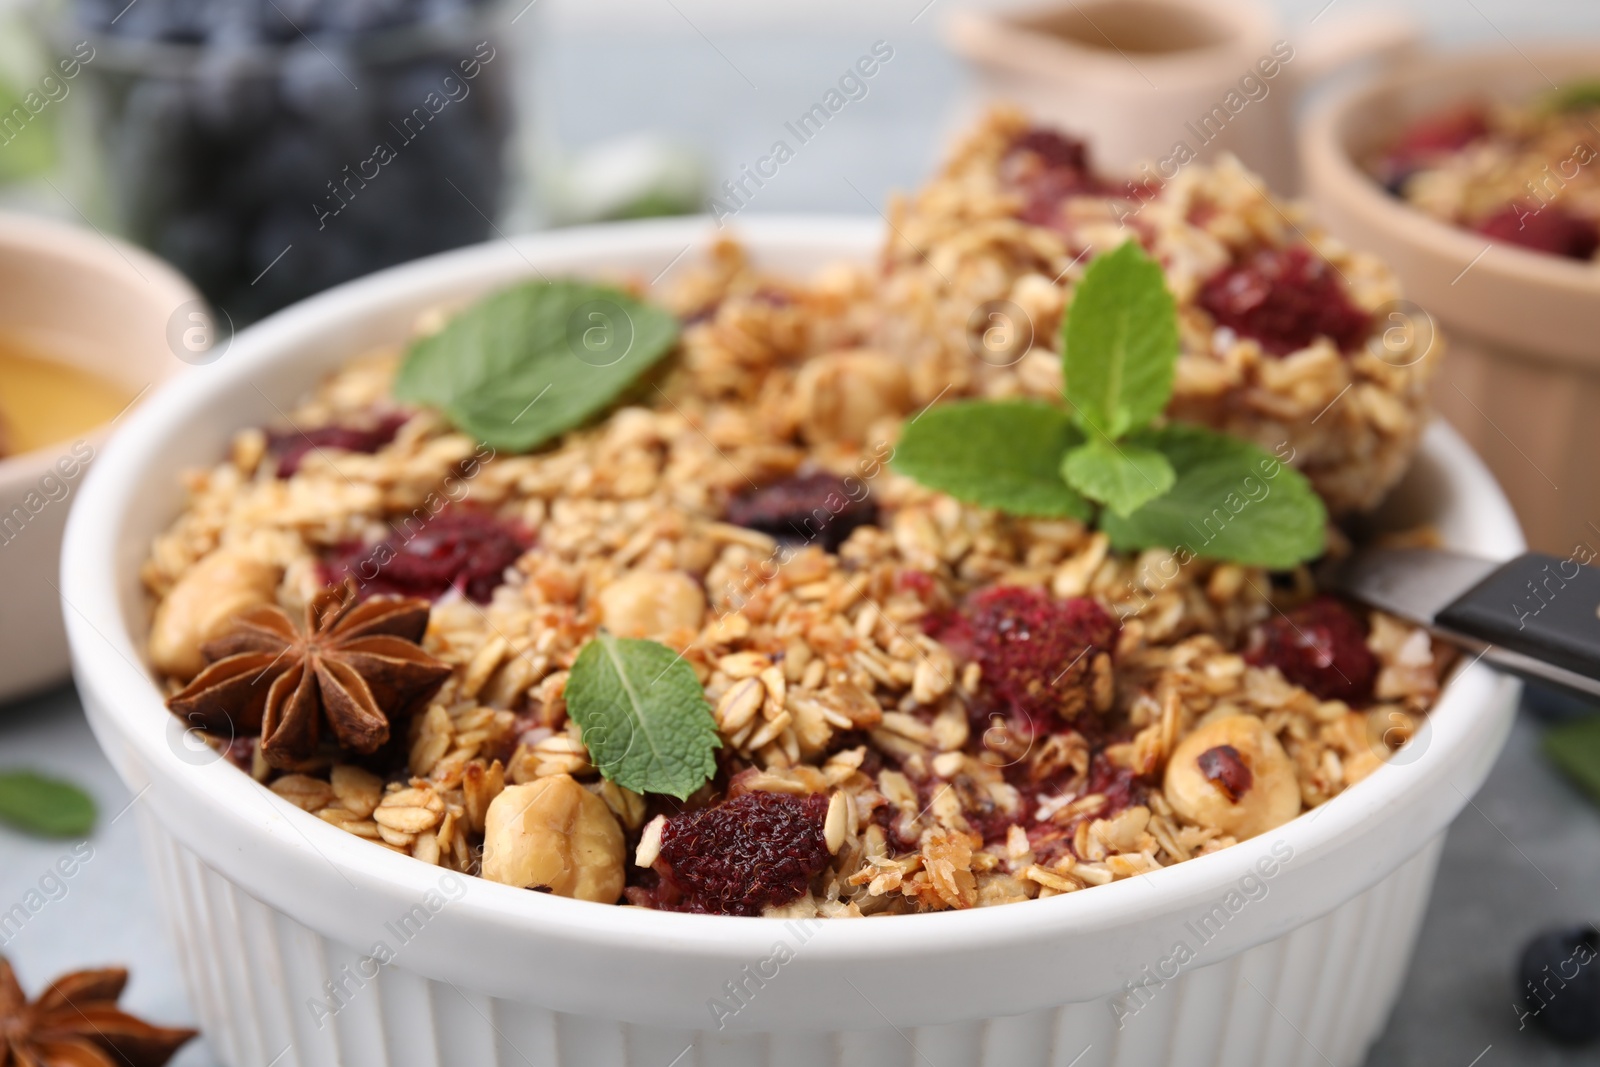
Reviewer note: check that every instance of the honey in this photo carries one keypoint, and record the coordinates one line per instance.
(44, 401)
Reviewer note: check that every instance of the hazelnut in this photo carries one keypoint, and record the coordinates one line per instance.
(652, 604)
(554, 834)
(214, 590)
(1232, 775)
(842, 394)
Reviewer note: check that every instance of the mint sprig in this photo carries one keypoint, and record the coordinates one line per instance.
(1119, 344)
(1578, 96)
(645, 720)
(533, 361)
(1156, 486)
(1122, 476)
(1575, 748)
(1008, 456)
(1229, 500)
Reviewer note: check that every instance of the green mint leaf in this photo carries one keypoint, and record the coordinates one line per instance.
(45, 806)
(1231, 501)
(645, 719)
(995, 454)
(1122, 476)
(1119, 343)
(1575, 748)
(531, 362)
(1575, 97)
(32, 148)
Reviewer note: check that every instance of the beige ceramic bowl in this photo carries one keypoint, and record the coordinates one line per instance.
(77, 296)
(1138, 79)
(1522, 379)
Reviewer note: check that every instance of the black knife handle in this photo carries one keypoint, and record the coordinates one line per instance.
(1544, 607)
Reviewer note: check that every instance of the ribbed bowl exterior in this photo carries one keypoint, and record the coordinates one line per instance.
(272, 993)
(275, 912)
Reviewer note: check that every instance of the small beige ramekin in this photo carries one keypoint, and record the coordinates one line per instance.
(1522, 379)
(82, 298)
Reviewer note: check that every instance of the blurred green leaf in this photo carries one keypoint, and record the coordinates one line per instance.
(1575, 748)
(1574, 97)
(27, 139)
(46, 806)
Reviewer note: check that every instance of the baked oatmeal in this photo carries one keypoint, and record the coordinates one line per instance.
(1278, 319)
(1522, 174)
(809, 683)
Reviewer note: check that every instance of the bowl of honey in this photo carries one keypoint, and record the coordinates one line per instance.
(88, 327)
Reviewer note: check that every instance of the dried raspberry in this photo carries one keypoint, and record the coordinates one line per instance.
(1224, 767)
(1117, 784)
(1320, 646)
(1054, 149)
(1428, 138)
(1440, 133)
(805, 508)
(755, 851)
(1550, 229)
(890, 821)
(291, 446)
(1035, 651)
(461, 548)
(1047, 167)
(1285, 298)
(241, 751)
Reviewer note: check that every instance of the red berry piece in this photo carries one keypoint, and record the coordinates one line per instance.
(1035, 651)
(1226, 769)
(755, 851)
(1285, 298)
(1550, 229)
(461, 548)
(1441, 133)
(1426, 140)
(1321, 647)
(291, 446)
(1048, 167)
(805, 509)
(1053, 148)
(1116, 784)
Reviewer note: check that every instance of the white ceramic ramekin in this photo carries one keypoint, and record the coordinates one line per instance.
(87, 300)
(307, 946)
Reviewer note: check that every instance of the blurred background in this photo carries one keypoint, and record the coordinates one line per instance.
(224, 134)
(271, 148)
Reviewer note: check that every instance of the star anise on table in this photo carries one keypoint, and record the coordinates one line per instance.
(351, 668)
(76, 1023)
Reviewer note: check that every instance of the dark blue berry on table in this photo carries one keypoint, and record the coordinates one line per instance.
(1558, 982)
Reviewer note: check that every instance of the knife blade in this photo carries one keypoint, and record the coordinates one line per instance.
(1536, 616)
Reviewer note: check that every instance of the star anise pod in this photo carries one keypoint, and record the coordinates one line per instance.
(76, 1023)
(353, 667)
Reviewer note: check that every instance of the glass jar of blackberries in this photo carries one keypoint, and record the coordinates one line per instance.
(272, 148)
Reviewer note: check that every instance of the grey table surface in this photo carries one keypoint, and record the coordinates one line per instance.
(1523, 856)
